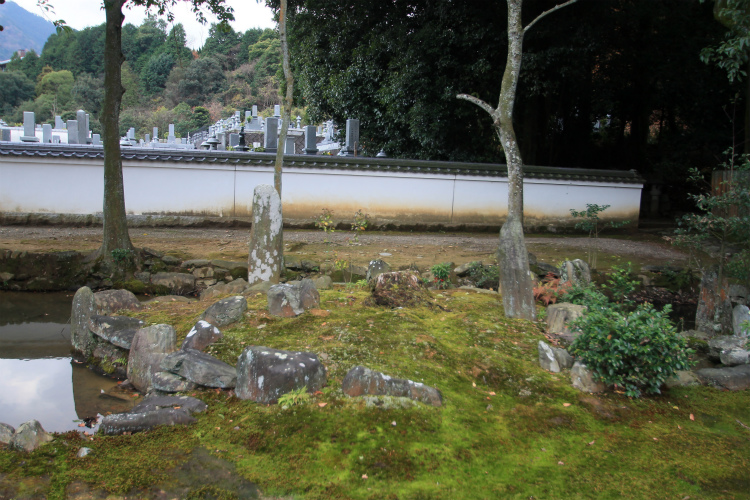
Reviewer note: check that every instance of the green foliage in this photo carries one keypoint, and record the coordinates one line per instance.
(591, 223)
(154, 74)
(294, 397)
(731, 55)
(325, 223)
(442, 275)
(359, 226)
(122, 255)
(487, 277)
(15, 87)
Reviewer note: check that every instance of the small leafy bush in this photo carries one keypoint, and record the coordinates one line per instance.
(487, 277)
(549, 289)
(359, 226)
(635, 351)
(442, 275)
(325, 222)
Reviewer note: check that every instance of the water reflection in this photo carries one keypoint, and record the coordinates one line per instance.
(39, 379)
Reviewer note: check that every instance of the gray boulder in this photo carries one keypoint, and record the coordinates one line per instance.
(547, 358)
(121, 423)
(583, 379)
(463, 270)
(682, 378)
(718, 345)
(287, 300)
(111, 359)
(734, 356)
(200, 368)
(560, 315)
(735, 378)
(361, 381)
(202, 335)
(262, 287)
(741, 320)
(563, 357)
(376, 268)
(203, 272)
(323, 283)
(575, 271)
(235, 287)
(150, 346)
(189, 264)
(399, 289)
(225, 311)
(117, 330)
(29, 436)
(169, 382)
(738, 294)
(265, 374)
(6, 433)
(177, 283)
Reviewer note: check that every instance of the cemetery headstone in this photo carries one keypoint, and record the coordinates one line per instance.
(5, 134)
(83, 133)
(29, 127)
(96, 140)
(73, 132)
(271, 135)
(234, 140)
(59, 123)
(290, 146)
(171, 137)
(276, 110)
(352, 138)
(47, 133)
(156, 133)
(311, 136)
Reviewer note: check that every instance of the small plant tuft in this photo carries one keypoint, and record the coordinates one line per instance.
(294, 397)
(359, 226)
(442, 275)
(325, 222)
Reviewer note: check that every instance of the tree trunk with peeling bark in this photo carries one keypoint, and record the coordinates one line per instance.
(115, 222)
(516, 285)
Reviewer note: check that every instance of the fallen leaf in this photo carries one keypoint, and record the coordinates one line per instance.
(592, 443)
(322, 404)
(323, 323)
(692, 417)
(473, 384)
(566, 404)
(679, 427)
(321, 313)
(492, 393)
(676, 408)
(81, 425)
(656, 439)
(560, 463)
(364, 476)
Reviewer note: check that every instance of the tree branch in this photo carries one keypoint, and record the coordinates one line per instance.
(489, 109)
(553, 9)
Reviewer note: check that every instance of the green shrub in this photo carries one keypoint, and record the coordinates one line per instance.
(442, 275)
(635, 351)
(487, 277)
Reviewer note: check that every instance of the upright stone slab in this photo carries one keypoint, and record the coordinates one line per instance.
(81, 338)
(96, 140)
(271, 136)
(171, 137)
(575, 271)
(714, 314)
(59, 123)
(156, 133)
(547, 358)
(311, 140)
(150, 346)
(291, 146)
(5, 134)
(266, 244)
(234, 140)
(352, 138)
(83, 131)
(73, 132)
(47, 133)
(29, 127)
(277, 110)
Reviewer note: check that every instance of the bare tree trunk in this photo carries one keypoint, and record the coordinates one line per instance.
(115, 222)
(515, 282)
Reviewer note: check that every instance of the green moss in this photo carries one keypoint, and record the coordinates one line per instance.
(504, 430)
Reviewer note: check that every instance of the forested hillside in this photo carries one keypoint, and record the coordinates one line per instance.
(22, 30)
(165, 81)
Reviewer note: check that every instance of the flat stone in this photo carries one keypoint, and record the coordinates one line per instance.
(117, 330)
(226, 311)
(560, 315)
(111, 301)
(153, 253)
(200, 368)
(203, 272)
(463, 270)
(376, 268)
(262, 286)
(195, 263)
(264, 374)
(361, 381)
(169, 382)
(583, 379)
(150, 346)
(177, 283)
(29, 436)
(187, 403)
(682, 378)
(735, 378)
(202, 335)
(171, 261)
(228, 264)
(323, 283)
(121, 423)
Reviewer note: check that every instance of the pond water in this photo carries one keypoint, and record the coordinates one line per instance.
(38, 377)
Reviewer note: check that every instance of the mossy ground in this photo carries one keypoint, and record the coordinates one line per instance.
(508, 429)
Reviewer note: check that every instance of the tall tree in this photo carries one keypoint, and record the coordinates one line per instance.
(116, 235)
(287, 111)
(515, 281)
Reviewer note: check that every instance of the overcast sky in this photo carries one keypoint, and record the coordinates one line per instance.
(82, 13)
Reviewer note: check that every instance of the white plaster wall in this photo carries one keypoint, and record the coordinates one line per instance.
(75, 186)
